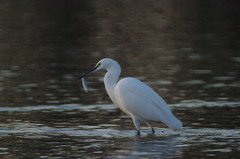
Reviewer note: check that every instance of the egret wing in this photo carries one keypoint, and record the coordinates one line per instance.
(141, 100)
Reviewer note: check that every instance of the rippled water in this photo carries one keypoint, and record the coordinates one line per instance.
(96, 131)
(187, 51)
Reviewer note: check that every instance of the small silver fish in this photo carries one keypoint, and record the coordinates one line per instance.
(84, 84)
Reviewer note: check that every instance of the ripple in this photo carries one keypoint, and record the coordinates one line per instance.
(7, 73)
(202, 103)
(184, 103)
(164, 83)
(112, 133)
(222, 85)
(193, 82)
(235, 59)
(60, 107)
(32, 85)
(224, 78)
(201, 71)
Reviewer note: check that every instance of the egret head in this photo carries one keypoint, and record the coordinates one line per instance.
(106, 64)
(103, 64)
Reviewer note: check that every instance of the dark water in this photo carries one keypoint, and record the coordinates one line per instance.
(188, 51)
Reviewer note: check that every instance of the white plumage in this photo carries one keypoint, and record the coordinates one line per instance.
(135, 98)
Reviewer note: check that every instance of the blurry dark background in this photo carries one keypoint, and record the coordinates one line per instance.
(185, 50)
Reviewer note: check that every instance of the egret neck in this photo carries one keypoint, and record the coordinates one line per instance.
(111, 79)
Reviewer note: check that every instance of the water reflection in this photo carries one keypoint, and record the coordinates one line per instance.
(149, 147)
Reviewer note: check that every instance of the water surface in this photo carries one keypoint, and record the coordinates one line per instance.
(186, 51)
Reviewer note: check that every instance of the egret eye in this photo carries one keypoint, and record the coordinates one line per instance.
(98, 64)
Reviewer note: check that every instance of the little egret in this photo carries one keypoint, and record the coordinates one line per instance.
(134, 97)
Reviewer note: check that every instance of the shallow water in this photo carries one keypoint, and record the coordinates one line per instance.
(186, 51)
(101, 131)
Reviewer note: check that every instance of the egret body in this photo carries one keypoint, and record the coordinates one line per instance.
(134, 97)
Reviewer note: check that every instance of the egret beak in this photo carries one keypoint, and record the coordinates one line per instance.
(88, 72)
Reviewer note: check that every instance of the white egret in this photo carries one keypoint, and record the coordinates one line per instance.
(134, 97)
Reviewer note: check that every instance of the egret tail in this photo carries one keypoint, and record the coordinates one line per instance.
(173, 123)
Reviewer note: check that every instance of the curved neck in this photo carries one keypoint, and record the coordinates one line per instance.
(111, 79)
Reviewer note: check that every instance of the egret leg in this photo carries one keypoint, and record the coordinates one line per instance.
(153, 131)
(138, 132)
(149, 124)
(137, 124)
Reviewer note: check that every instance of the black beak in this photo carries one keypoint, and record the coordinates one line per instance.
(88, 72)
